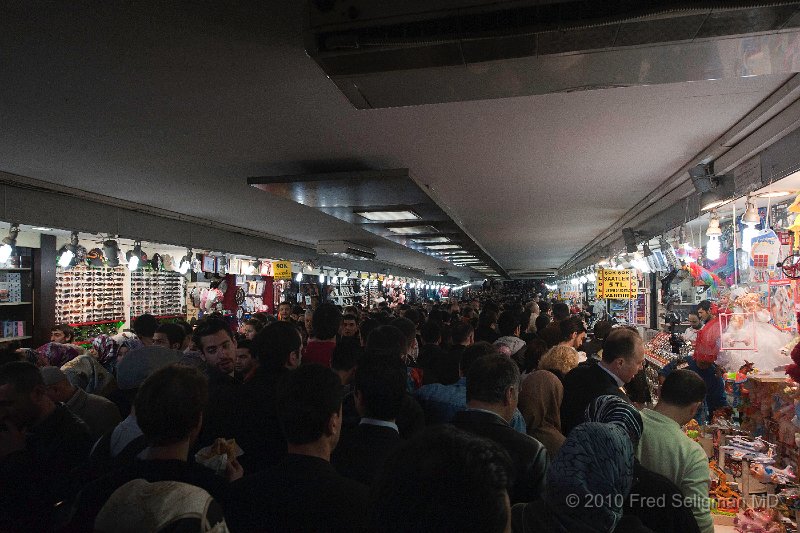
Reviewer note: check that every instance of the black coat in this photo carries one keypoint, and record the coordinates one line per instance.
(259, 434)
(221, 415)
(648, 486)
(47, 471)
(362, 451)
(582, 385)
(301, 493)
(528, 455)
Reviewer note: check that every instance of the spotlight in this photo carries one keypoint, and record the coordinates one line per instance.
(714, 190)
(9, 243)
(134, 257)
(111, 252)
(630, 237)
(186, 263)
(67, 257)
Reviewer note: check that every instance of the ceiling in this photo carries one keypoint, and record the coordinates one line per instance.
(175, 109)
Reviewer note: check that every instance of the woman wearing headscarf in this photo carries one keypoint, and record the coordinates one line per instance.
(104, 350)
(587, 483)
(540, 398)
(647, 486)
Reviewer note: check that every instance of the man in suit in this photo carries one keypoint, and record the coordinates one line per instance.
(623, 358)
(379, 390)
(303, 492)
(492, 395)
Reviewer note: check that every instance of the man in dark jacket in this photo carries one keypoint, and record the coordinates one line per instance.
(492, 394)
(214, 339)
(277, 348)
(623, 357)
(379, 390)
(303, 492)
(41, 446)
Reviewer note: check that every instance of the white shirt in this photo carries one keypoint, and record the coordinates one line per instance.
(382, 423)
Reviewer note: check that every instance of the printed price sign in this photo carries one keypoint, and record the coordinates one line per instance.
(616, 284)
(282, 269)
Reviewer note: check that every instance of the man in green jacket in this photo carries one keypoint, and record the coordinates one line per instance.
(665, 448)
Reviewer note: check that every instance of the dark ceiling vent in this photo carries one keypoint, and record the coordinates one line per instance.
(359, 38)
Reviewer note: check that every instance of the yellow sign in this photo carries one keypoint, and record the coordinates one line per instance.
(365, 275)
(282, 269)
(616, 284)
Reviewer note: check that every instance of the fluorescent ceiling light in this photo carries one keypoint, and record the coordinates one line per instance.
(467, 261)
(423, 240)
(769, 194)
(443, 247)
(413, 230)
(39, 228)
(388, 216)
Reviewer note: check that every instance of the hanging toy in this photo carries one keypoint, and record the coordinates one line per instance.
(669, 254)
(791, 264)
(705, 276)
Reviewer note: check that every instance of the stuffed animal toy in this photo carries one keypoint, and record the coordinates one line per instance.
(793, 370)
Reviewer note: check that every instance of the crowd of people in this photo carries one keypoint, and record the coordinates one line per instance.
(465, 416)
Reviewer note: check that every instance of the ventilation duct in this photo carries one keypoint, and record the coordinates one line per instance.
(382, 53)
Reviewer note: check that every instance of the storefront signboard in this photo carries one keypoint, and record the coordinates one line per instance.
(282, 269)
(616, 284)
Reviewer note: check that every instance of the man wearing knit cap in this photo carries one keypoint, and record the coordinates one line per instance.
(100, 414)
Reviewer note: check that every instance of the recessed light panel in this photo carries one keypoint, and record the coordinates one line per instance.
(423, 240)
(443, 247)
(774, 194)
(413, 230)
(388, 216)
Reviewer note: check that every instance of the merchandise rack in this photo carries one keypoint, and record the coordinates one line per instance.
(89, 294)
(157, 292)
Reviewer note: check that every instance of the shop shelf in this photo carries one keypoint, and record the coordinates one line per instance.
(9, 339)
(16, 303)
(79, 324)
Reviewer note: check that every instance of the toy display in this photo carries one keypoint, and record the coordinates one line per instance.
(781, 304)
(769, 474)
(726, 498)
(747, 321)
(739, 448)
(759, 521)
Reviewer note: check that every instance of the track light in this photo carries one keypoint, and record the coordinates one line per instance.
(714, 190)
(9, 243)
(186, 262)
(111, 252)
(67, 257)
(134, 257)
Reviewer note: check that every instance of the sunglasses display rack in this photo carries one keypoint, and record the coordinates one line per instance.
(158, 292)
(370, 293)
(90, 294)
